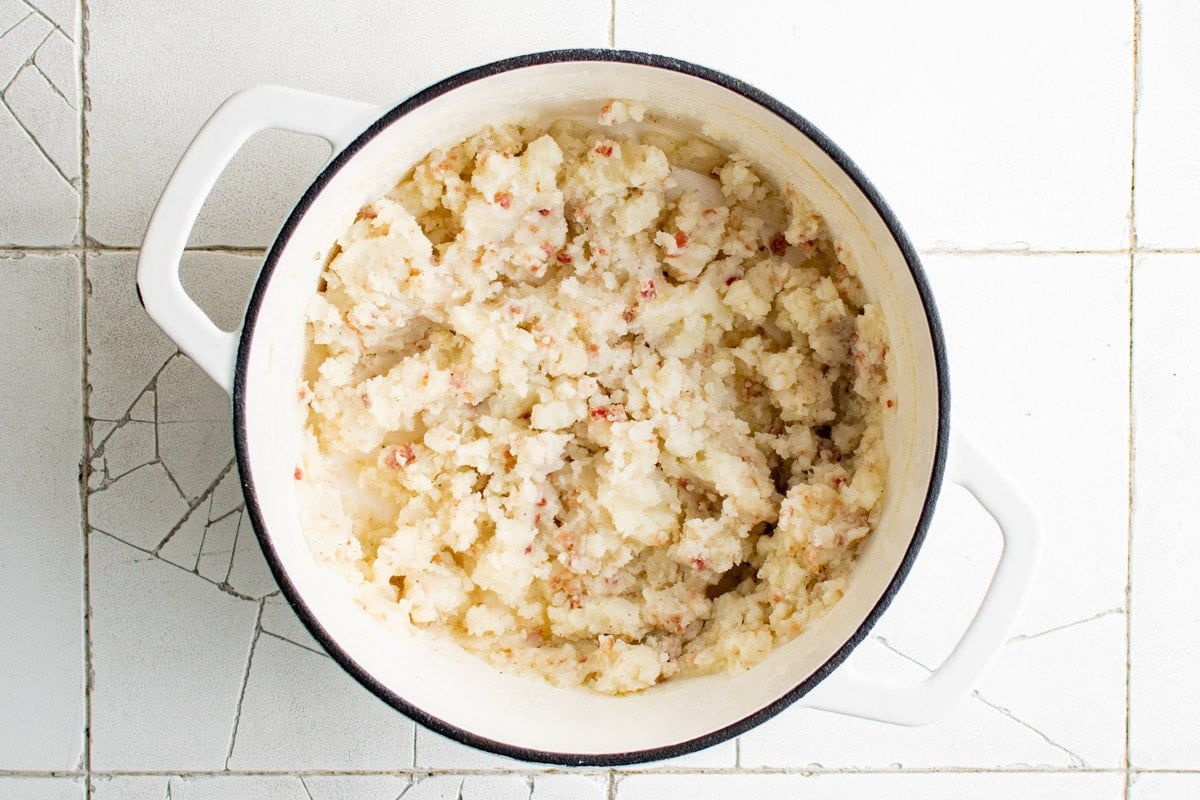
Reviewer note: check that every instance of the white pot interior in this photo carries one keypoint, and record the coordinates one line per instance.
(457, 688)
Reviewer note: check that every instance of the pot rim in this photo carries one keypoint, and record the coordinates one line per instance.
(330, 643)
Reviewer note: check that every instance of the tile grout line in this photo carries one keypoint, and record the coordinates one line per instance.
(612, 23)
(81, 32)
(1133, 253)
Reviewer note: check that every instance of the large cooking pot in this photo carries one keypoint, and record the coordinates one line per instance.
(457, 694)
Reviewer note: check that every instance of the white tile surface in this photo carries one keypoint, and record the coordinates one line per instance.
(301, 711)
(1051, 330)
(39, 124)
(42, 788)
(872, 787)
(169, 652)
(41, 538)
(1168, 162)
(1165, 631)
(1165, 787)
(367, 53)
(982, 124)
(355, 787)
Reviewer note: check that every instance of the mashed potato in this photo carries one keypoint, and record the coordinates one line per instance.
(595, 400)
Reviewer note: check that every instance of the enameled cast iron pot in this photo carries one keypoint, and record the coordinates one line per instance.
(442, 687)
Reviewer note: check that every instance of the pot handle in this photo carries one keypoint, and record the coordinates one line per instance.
(848, 691)
(244, 114)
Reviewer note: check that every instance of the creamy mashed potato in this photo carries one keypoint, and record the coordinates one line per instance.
(595, 400)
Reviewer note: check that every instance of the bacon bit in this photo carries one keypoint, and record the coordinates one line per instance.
(648, 291)
(302, 395)
(537, 519)
(709, 213)
(510, 460)
(366, 400)
(612, 413)
(681, 239)
(298, 474)
(593, 349)
(528, 549)
(575, 602)
(458, 380)
(604, 150)
(732, 279)
(629, 315)
(398, 456)
(778, 245)
(601, 251)
(548, 249)
(514, 309)
(563, 258)
(366, 212)
(700, 564)
(891, 403)
(545, 212)
(502, 199)
(542, 503)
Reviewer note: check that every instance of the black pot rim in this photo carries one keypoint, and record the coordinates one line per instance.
(247, 477)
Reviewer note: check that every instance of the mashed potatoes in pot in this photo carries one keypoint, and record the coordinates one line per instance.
(595, 400)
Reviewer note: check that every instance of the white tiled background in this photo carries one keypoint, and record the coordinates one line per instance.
(1043, 156)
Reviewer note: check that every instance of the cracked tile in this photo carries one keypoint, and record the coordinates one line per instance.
(216, 550)
(41, 545)
(279, 618)
(227, 496)
(50, 119)
(11, 12)
(59, 12)
(1037, 681)
(974, 735)
(48, 213)
(195, 428)
(1025, 409)
(469, 787)
(56, 59)
(18, 44)
(140, 508)
(1164, 703)
(301, 711)
(126, 350)
(39, 128)
(958, 165)
(355, 787)
(169, 652)
(43, 788)
(355, 58)
(978, 786)
(131, 446)
(248, 570)
(182, 547)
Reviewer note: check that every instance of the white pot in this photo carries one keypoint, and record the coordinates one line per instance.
(457, 694)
